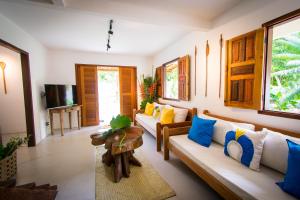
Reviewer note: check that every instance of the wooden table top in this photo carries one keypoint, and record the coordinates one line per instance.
(132, 140)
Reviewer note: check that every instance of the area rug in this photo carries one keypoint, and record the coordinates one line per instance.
(144, 182)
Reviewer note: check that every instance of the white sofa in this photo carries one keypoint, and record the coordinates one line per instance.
(228, 177)
(148, 122)
(154, 126)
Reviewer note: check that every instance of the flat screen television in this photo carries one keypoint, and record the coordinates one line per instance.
(60, 95)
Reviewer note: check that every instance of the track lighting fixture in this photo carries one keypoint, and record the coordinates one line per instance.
(110, 33)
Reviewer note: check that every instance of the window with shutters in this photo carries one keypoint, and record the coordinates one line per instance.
(244, 70)
(282, 66)
(174, 76)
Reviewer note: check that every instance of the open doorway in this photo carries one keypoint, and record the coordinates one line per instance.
(108, 93)
(27, 93)
(105, 91)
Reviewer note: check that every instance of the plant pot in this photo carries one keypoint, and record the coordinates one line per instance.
(8, 167)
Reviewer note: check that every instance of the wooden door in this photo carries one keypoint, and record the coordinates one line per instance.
(87, 89)
(128, 93)
(244, 70)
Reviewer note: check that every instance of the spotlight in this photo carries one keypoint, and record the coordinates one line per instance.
(110, 32)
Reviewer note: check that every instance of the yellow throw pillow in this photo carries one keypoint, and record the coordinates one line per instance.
(167, 116)
(149, 109)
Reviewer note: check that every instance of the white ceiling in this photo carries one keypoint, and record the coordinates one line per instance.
(140, 27)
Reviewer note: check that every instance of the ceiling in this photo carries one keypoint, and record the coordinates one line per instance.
(141, 27)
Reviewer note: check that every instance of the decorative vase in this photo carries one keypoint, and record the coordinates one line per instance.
(8, 167)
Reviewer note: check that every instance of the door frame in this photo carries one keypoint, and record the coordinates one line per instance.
(77, 74)
(27, 90)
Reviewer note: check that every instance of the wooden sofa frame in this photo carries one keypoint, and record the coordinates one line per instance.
(219, 187)
(159, 126)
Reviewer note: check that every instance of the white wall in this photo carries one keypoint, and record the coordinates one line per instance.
(12, 118)
(61, 68)
(11, 33)
(247, 16)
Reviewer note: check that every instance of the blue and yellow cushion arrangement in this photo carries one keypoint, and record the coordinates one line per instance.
(291, 183)
(245, 146)
(202, 131)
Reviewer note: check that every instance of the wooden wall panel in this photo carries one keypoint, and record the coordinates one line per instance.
(250, 47)
(244, 70)
(87, 89)
(238, 53)
(160, 80)
(128, 90)
(184, 78)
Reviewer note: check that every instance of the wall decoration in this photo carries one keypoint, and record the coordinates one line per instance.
(196, 69)
(206, 63)
(221, 49)
(3, 65)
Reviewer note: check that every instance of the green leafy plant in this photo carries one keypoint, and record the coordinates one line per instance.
(11, 146)
(118, 125)
(120, 122)
(285, 74)
(148, 89)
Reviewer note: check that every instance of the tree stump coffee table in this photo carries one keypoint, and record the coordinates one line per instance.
(120, 156)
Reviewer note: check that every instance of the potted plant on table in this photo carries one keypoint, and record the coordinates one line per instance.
(8, 158)
(118, 125)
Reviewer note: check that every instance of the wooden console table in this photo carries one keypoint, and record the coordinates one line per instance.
(61, 111)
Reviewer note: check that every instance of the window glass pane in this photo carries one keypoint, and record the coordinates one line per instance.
(171, 83)
(284, 70)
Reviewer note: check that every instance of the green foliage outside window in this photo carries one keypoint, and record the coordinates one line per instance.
(285, 74)
(172, 83)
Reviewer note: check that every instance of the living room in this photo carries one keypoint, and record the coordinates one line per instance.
(58, 35)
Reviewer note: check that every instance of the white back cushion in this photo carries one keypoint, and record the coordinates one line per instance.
(221, 127)
(275, 151)
(180, 114)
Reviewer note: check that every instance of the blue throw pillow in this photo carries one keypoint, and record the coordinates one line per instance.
(291, 183)
(202, 131)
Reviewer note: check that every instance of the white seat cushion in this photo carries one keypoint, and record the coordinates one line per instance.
(276, 143)
(246, 183)
(148, 122)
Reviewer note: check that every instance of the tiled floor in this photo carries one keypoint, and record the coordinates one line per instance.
(69, 162)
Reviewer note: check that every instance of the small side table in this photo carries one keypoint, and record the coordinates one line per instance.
(120, 156)
(61, 111)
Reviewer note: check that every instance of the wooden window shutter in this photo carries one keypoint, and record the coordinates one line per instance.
(128, 97)
(87, 89)
(184, 78)
(159, 74)
(244, 70)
